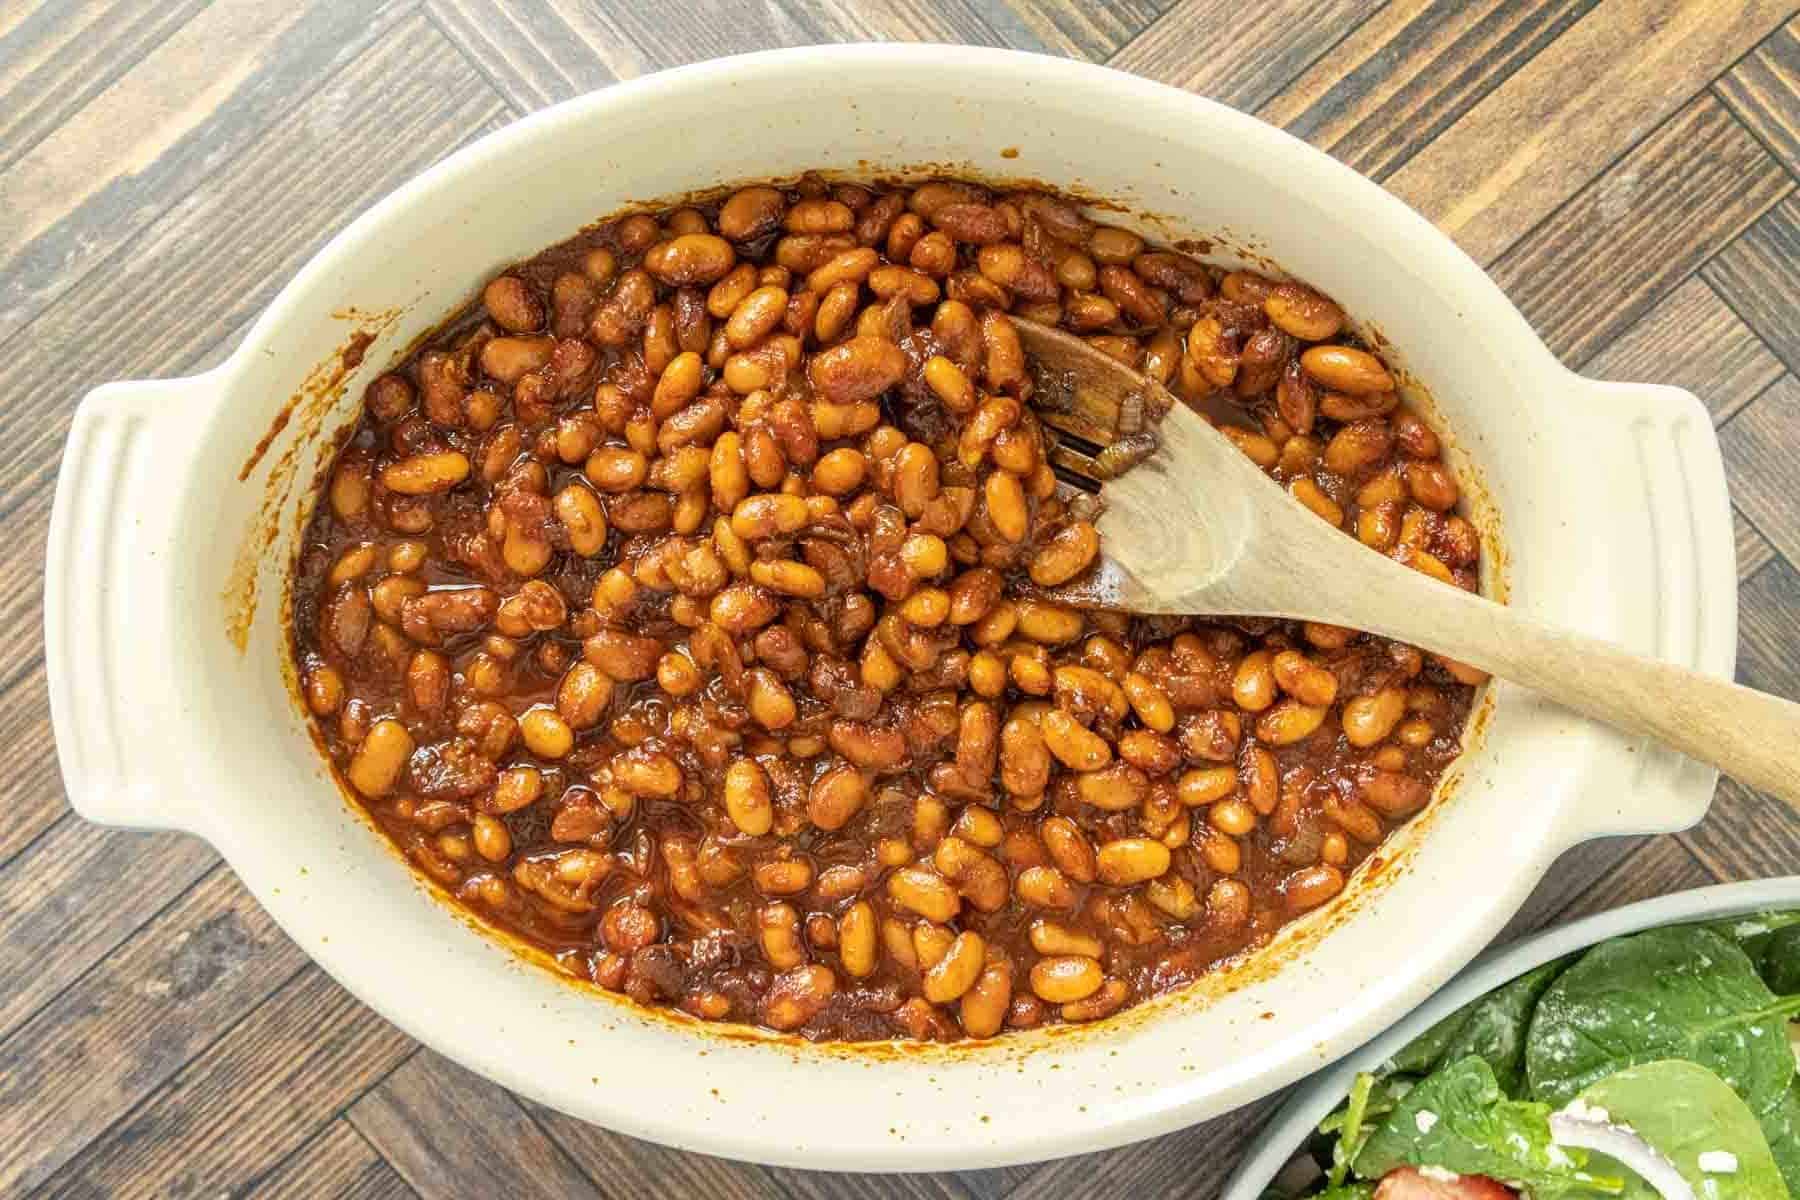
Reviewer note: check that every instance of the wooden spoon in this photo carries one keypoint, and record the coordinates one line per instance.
(1196, 528)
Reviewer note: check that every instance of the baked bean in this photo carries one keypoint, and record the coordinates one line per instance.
(1288, 722)
(1045, 887)
(1076, 748)
(1348, 370)
(1067, 554)
(805, 663)
(746, 798)
(925, 893)
(1061, 978)
(750, 213)
(956, 972)
(377, 765)
(1131, 860)
(857, 940)
(690, 259)
(1310, 887)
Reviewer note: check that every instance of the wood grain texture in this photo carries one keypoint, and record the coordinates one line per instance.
(1690, 338)
(536, 52)
(55, 59)
(619, 1163)
(203, 95)
(1753, 549)
(1236, 54)
(1592, 268)
(1759, 273)
(1556, 123)
(1758, 445)
(1410, 71)
(144, 1011)
(1191, 1163)
(1763, 91)
(336, 1163)
(71, 898)
(1655, 868)
(164, 168)
(450, 1133)
(1079, 30)
(245, 1102)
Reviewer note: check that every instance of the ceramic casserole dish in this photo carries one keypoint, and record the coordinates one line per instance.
(181, 501)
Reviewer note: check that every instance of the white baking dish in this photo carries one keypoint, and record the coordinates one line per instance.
(166, 577)
(1287, 1132)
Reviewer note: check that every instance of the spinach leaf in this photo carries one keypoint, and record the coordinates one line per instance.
(1457, 1119)
(1681, 992)
(1781, 1126)
(1425, 1053)
(1684, 1110)
(1495, 1030)
(1777, 958)
(1751, 926)
(1346, 1191)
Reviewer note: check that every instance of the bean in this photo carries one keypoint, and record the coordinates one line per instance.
(1126, 861)
(1346, 369)
(956, 972)
(426, 474)
(1061, 978)
(377, 765)
(925, 893)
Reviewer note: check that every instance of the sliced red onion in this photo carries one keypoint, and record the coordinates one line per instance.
(1626, 1148)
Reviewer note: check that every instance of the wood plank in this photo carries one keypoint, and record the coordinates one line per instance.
(57, 57)
(394, 111)
(619, 1163)
(1090, 31)
(245, 1103)
(35, 801)
(336, 1163)
(1573, 872)
(1763, 91)
(1544, 134)
(537, 52)
(1753, 549)
(1748, 835)
(1758, 446)
(1604, 258)
(153, 1003)
(1410, 71)
(828, 1185)
(1239, 54)
(1691, 339)
(200, 98)
(403, 105)
(1192, 1163)
(1658, 867)
(73, 897)
(887, 20)
(1758, 274)
(448, 1132)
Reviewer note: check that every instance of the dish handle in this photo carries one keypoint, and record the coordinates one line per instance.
(109, 594)
(1673, 452)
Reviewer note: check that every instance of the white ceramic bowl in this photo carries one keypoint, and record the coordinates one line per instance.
(1287, 1132)
(168, 564)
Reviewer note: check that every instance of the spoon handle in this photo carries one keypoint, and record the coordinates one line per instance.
(1752, 736)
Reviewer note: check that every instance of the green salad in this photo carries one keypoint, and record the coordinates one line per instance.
(1660, 1064)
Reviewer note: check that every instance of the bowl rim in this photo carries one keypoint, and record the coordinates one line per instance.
(1320, 1095)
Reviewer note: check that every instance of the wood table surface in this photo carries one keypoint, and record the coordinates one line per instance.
(1626, 169)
